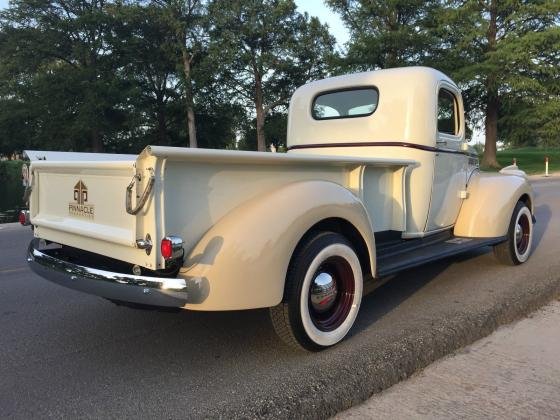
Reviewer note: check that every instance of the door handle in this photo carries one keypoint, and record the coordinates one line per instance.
(444, 142)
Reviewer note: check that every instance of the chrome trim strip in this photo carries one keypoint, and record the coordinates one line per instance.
(156, 291)
(412, 235)
(381, 144)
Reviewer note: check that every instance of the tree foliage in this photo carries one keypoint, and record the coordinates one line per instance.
(59, 63)
(264, 50)
(504, 54)
(186, 21)
(146, 50)
(386, 34)
(116, 75)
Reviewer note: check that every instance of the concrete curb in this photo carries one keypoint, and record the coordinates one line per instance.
(351, 383)
(538, 177)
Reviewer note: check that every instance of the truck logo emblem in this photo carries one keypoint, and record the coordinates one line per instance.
(80, 207)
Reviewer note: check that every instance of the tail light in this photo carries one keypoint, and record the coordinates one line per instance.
(171, 247)
(23, 218)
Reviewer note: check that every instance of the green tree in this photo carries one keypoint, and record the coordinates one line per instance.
(219, 124)
(57, 61)
(386, 34)
(186, 19)
(264, 49)
(276, 124)
(146, 48)
(505, 56)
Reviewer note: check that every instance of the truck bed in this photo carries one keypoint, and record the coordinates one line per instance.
(82, 203)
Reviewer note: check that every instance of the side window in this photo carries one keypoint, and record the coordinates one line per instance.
(447, 113)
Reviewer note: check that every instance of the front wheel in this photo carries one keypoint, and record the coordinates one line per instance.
(323, 293)
(517, 248)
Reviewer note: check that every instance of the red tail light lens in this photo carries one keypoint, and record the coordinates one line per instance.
(23, 217)
(166, 248)
(172, 247)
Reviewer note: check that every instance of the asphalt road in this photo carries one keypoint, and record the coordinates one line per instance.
(67, 354)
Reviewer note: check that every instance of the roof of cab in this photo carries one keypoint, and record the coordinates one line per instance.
(406, 109)
(404, 75)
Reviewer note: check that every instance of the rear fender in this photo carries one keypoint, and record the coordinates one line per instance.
(241, 262)
(487, 211)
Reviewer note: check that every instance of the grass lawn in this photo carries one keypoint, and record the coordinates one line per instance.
(531, 160)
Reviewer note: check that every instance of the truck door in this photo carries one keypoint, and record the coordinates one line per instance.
(450, 163)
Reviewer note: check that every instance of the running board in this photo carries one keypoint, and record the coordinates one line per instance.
(393, 261)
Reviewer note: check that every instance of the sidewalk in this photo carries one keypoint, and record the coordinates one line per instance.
(513, 373)
(542, 176)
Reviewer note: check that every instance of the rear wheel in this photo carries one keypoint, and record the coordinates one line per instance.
(323, 293)
(517, 248)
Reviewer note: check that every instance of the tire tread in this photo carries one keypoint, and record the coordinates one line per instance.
(281, 323)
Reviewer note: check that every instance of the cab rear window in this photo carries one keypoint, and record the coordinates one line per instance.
(348, 103)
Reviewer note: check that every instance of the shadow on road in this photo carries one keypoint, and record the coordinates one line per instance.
(397, 289)
(403, 286)
(543, 214)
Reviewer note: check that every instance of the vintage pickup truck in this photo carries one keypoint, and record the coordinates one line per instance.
(378, 178)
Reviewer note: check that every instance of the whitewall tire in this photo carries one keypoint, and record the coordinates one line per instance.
(324, 288)
(517, 248)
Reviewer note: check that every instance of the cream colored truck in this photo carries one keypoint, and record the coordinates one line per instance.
(378, 178)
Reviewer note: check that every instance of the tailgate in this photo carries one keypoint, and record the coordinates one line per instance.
(82, 204)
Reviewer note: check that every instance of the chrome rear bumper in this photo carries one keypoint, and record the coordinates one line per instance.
(154, 291)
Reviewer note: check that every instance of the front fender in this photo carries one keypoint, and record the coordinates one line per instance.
(487, 211)
(241, 262)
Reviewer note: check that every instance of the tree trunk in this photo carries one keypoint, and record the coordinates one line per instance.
(191, 123)
(491, 122)
(161, 131)
(492, 103)
(259, 108)
(96, 142)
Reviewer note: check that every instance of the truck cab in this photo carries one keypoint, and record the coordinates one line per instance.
(415, 113)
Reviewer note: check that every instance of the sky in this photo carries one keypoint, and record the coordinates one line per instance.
(313, 7)
(325, 15)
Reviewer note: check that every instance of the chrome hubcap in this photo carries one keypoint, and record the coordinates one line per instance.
(518, 233)
(323, 292)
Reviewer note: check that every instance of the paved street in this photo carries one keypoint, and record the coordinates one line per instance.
(67, 354)
(512, 374)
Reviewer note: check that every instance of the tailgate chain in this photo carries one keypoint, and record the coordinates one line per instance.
(145, 194)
